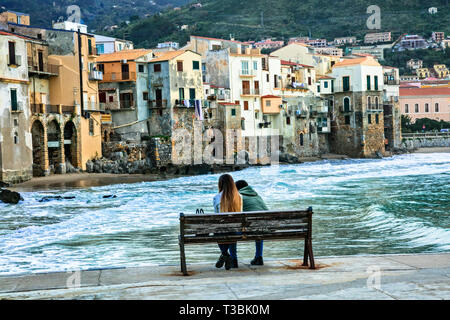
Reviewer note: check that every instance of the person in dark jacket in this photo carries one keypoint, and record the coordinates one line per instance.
(252, 202)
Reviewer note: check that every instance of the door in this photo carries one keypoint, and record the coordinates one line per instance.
(13, 99)
(245, 87)
(125, 72)
(256, 87)
(41, 60)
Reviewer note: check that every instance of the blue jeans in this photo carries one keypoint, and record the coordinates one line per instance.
(259, 248)
(231, 247)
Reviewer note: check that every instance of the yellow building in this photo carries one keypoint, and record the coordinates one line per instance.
(14, 17)
(70, 122)
(423, 73)
(441, 70)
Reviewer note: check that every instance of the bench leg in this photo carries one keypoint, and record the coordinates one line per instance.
(183, 260)
(305, 254)
(311, 256)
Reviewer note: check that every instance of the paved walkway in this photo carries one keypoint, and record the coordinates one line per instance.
(424, 276)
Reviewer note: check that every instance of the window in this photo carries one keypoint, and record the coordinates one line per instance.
(245, 105)
(376, 82)
(141, 68)
(233, 112)
(275, 81)
(325, 84)
(157, 67)
(346, 104)
(111, 98)
(347, 119)
(196, 65)
(288, 120)
(406, 108)
(181, 93)
(102, 97)
(301, 139)
(267, 78)
(16, 138)
(436, 107)
(91, 126)
(369, 119)
(101, 67)
(318, 88)
(100, 48)
(179, 66)
(376, 102)
(90, 46)
(377, 118)
(368, 83)
(332, 85)
(244, 67)
(345, 83)
(309, 81)
(369, 102)
(192, 93)
(255, 65)
(145, 95)
(14, 104)
(268, 103)
(427, 109)
(12, 52)
(416, 108)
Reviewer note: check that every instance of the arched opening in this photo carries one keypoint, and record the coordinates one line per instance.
(346, 104)
(54, 146)
(70, 144)
(38, 141)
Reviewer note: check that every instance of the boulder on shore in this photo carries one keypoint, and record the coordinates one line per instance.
(8, 196)
(3, 184)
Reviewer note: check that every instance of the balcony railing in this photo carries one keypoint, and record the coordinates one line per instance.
(119, 76)
(15, 60)
(346, 109)
(153, 104)
(46, 68)
(49, 108)
(374, 107)
(126, 104)
(68, 109)
(95, 75)
(37, 108)
(92, 51)
(250, 92)
(247, 73)
(391, 82)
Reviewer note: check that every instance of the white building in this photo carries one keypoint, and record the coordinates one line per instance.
(70, 26)
(105, 45)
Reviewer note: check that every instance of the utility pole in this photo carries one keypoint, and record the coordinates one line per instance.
(80, 62)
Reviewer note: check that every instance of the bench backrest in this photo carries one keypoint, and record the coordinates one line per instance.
(246, 226)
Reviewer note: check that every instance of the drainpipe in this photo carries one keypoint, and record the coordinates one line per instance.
(80, 69)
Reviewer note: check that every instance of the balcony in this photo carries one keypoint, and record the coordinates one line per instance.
(95, 75)
(119, 76)
(92, 51)
(392, 82)
(346, 109)
(250, 92)
(372, 107)
(43, 69)
(247, 73)
(157, 104)
(126, 105)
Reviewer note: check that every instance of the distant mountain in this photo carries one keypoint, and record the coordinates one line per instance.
(257, 19)
(95, 13)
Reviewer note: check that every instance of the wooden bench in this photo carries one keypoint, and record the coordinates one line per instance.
(246, 226)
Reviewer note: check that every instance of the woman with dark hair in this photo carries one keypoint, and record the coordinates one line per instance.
(228, 200)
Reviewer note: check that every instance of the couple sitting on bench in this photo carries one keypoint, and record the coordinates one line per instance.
(237, 197)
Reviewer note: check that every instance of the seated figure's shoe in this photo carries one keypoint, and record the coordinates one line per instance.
(234, 264)
(228, 262)
(221, 261)
(258, 261)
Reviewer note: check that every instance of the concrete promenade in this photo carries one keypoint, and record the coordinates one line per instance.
(418, 276)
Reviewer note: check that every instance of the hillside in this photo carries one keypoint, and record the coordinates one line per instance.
(95, 13)
(253, 20)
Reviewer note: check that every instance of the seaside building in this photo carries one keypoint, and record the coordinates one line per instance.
(357, 127)
(15, 137)
(124, 92)
(168, 44)
(391, 108)
(176, 97)
(268, 44)
(9, 16)
(423, 73)
(69, 116)
(411, 42)
(344, 40)
(440, 71)
(438, 37)
(425, 102)
(332, 51)
(105, 45)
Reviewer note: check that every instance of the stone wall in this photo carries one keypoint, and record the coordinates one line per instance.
(426, 142)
